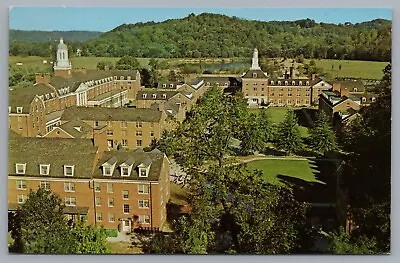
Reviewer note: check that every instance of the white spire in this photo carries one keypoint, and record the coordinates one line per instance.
(62, 62)
(254, 64)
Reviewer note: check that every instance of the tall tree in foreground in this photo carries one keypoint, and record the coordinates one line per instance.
(89, 239)
(288, 137)
(233, 209)
(39, 226)
(322, 137)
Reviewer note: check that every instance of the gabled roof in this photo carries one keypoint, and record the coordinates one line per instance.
(54, 151)
(111, 114)
(23, 97)
(351, 84)
(259, 74)
(159, 95)
(77, 128)
(138, 157)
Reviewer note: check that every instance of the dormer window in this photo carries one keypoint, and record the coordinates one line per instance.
(144, 168)
(355, 89)
(254, 75)
(47, 96)
(364, 99)
(144, 96)
(373, 99)
(164, 96)
(122, 78)
(69, 170)
(286, 83)
(20, 168)
(279, 82)
(129, 77)
(52, 94)
(293, 83)
(44, 169)
(108, 167)
(126, 167)
(307, 83)
(300, 83)
(154, 96)
(19, 109)
(171, 85)
(164, 85)
(9, 109)
(217, 84)
(115, 78)
(226, 84)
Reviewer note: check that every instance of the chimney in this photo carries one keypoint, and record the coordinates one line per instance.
(42, 78)
(313, 76)
(291, 72)
(344, 92)
(336, 87)
(100, 138)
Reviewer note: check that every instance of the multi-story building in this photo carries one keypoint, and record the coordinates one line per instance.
(114, 189)
(128, 127)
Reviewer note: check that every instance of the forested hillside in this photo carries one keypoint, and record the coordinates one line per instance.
(49, 36)
(213, 35)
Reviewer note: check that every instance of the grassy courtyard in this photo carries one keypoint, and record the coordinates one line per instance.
(273, 169)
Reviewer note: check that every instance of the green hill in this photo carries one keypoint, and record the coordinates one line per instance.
(50, 36)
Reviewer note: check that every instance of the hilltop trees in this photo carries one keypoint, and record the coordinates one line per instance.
(127, 63)
(288, 136)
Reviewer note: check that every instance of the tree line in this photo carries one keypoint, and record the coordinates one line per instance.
(213, 35)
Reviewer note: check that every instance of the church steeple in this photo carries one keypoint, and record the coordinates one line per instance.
(254, 60)
(62, 65)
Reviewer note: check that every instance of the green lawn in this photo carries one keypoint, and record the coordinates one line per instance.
(300, 169)
(352, 68)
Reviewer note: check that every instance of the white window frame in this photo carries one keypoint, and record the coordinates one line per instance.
(42, 167)
(72, 170)
(68, 201)
(110, 188)
(105, 168)
(97, 201)
(142, 219)
(111, 217)
(21, 199)
(141, 188)
(45, 185)
(142, 202)
(110, 204)
(123, 196)
(69, 187)
(124, 168)
(124, 142)
(97, 187)
(99, 217)
(124, 124)
(19, 109)
(21, 184)
(123, 209)
(17, 165)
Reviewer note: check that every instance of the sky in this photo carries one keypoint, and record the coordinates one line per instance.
(106, 18)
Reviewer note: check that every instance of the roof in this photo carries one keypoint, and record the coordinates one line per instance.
(54, 151)
(106, 95)
(154, 158)
(23, 97)
(77, 128)
(111, 114)
(159, 95)
(351, 84)
(221, 80)
(367, 96)
(54, 115)
(169, 84)
(259, 74)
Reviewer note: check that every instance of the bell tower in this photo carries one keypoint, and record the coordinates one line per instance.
(62, 67)
(254, 60)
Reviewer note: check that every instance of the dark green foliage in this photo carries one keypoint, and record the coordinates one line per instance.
(45, 36)
(39, 226)
(214, 35)
(105, 65)
(254, 137)
(288, 136)
(89, 239)
(322, 137)
(127, 63)
(341, 243)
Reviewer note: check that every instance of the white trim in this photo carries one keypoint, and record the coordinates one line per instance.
(20, 109)
(72, 169)
(18, 114)
(55, 128)
(81, 180)
(144, 193)
(70, 203)
(70, 190)
(42, 166)
(144, 201)
(23, 168)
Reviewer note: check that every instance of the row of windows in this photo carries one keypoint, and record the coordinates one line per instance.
(44, 169)
(289, 95)
(290, 101)
(124, 133)
(124, 124)
(143, 219)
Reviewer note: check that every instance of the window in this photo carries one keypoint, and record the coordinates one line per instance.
(254, 75)
(144, 96)
(144, 219)
(289, 94)
(124, 171)
(97, 187)
(68, 170)
(111, 217)
(21, 185)
(307, 83)
(110, 132)
(143, 188)
(126, 209)
(139, 143)
(154, 96)
(106, 170)
(298, 95)
(96, 123)
(69, 187)
(70, 201)
(293, 83)
(355, 89)
(125, 194)
(144, 204)
(99, 216)
(110, 188)
(20, 168)
(98, 201)
(151, 134)
(21, 199)
(364, 99)
(255, 89)
(45, 185)
(19, 109)
(164, 85)
(123, 133)
(138, 133)
(373, 99)
(124, 124)
(111, 202)
(124, 142)
(138, 124)
(300, 83)
(142, 172)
